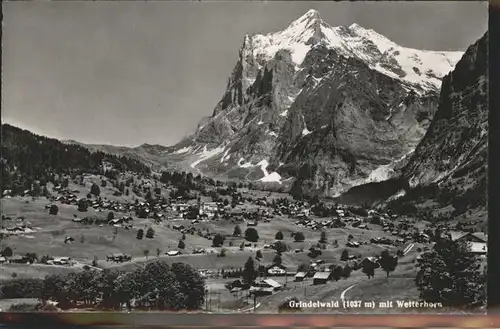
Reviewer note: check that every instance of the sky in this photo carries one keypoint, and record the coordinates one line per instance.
(133, 72)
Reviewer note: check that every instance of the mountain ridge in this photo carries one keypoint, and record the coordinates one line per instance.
(285, 82)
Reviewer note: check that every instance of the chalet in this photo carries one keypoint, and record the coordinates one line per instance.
(372, 260)
(18, 260)
(276, 270)
(321, 277)
(272, 283)
(478, 248)
(470, 237)
(209, 207)
(116, 221)
(3, 260)
(300, 276)
(261, 291)
(173, 253)
(69, 239)
(252, 223)
(61, 260)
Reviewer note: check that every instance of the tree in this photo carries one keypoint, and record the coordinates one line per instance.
(7, 252)
(140, 234)
(323, 237)
(183, 236)
(95, 190)
(369, 268)
(450, 274)
(218, 240)
(249, 272)
(37, 189)
(94, 261)
(53, 210)
(242, 246)
(251, 234)
(45, 192)
(277, 260)
(258, 255)
(337, 273)
(237, 231)
(388, 262)
(346, 271)
(53, 287)
(279, 235)
(146, 253)
(350, 237)
(158, 252)
(345, 255)
(150, 233)
(299, 237)
(111, 216)
(280, 247)
(83, 205)
(181, 245)
(103, 183)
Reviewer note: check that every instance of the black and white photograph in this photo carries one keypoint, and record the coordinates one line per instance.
(244, 157)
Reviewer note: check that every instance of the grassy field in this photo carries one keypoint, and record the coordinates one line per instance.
(92, 241)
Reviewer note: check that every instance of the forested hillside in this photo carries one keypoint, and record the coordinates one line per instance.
(26, 157)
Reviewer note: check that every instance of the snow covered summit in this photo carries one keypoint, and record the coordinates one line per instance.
(416, 67)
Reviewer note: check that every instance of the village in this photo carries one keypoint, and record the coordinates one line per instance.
(215, 228)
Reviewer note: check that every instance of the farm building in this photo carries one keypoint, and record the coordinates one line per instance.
(300, 276)
(321, 277)
(173, 253)
(261, 291)
(272, 283)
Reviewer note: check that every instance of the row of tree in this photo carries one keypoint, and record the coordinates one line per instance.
(156, 286)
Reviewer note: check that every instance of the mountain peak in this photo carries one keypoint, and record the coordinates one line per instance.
(312, 13)
(311, 19)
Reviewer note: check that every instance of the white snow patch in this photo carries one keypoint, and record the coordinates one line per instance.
(242, 164)
(260, 122)
(272, 133)
(224, 156)
(263, 166)
(397, 195)
(284, 113)
(380, 174)
(272, 177)
(206, 154)
(268, 177)
(305, 131)
(183, 150)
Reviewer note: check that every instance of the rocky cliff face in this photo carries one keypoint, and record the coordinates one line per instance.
(328, 107)
(448, 168)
